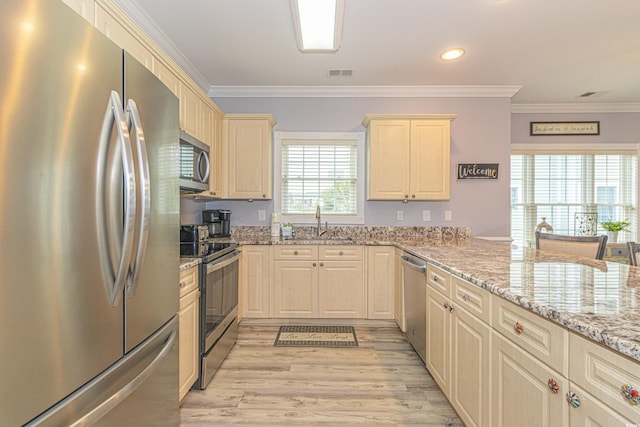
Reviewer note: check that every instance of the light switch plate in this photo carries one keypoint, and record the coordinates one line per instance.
(426, 215)
(400, 215)
(262, 215)
(447, 215)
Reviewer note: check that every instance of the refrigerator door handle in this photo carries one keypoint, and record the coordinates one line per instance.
(116, 398)
(115, 280)
(135, 124)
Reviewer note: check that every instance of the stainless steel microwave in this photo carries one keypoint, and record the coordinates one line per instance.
(195, 167)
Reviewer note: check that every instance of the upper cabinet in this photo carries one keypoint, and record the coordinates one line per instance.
(84, 8)
(408, 156)
(247, 141)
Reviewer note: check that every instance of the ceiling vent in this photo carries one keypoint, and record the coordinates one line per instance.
(340, 73)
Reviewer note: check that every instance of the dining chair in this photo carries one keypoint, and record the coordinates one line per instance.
(634, 252)
(586, 246)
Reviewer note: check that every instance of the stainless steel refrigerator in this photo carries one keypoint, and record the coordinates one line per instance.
(89, 227)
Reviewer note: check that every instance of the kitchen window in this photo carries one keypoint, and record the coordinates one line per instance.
(323, 169)
(563, 186)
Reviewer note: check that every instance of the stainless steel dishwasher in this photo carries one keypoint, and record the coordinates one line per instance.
(415, 302)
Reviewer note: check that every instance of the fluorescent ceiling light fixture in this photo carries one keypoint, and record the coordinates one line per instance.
(317, 24)
(451, 54)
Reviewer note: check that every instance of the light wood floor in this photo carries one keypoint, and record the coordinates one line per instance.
(382, 382)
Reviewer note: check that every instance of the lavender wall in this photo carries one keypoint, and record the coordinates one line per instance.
(481, 133)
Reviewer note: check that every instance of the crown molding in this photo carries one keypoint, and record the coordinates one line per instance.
(133, 9)
(575, 108)
(362, 91)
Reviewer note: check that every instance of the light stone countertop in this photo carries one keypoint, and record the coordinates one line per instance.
(597, 299)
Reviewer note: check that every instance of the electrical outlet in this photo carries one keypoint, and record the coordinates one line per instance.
(447, 215)
(262, 215)
(426, 215)
(400, 215)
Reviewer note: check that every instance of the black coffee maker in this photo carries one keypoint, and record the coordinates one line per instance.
(218, 221)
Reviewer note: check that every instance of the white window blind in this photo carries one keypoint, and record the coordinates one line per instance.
(323, 173)
(562, 187)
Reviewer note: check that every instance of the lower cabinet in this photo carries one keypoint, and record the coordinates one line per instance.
(520, 389)
(188, 321)
(325, 282)
(381, 282)
(439, 339)
(255, 282)
(398, 291)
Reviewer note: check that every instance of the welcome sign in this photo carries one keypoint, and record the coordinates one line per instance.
(477, 170)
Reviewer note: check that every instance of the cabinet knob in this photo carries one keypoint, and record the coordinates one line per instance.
(199, 294)
(406, 196)
(465, 297)
(264, 196)
(413, 196)
(295, 252)
(631, 394)
(573, 399)
(322, 264)
(341, 253)
(553, 385)
(183, 284)
(314, 264)
(213, 193)
(518, 328)
(435, 278)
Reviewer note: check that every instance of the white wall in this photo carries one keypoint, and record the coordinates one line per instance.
(481, 133)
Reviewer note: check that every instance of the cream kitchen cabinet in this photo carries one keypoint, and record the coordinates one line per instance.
(408, 156)
(255, 282)
(597, 376)
(520, 391)
(319, 282)
(398, 291)
(111, 24)
(84, 8)
(459, 344)
(247, 140)
(217, 182)
(380, 282)
(188, 322)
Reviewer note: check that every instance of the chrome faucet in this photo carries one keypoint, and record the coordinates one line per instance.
(318, 232)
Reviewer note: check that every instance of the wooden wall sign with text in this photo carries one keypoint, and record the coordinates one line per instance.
(564, 128)
(477, 170)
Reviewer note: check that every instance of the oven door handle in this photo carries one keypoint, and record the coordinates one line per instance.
(223, 262)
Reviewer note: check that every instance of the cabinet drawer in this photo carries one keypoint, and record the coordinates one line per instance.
(296, 252)
(543, 339)
(602, 373)
(341, 253)
(593, 412)
(188, 280)
(475, 300)
(439, 279)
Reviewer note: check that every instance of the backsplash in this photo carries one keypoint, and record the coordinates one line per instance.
(432, 235)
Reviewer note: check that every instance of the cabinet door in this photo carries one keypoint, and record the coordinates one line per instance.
(388, 160)
(205, 124)
(430, 146)
(187, 343)
(168, 77)
(592, 412)
(295, 289)
(255, 281)
(470, 379)
(189, 111)
(249, 159)
(380, 282)
(398, 293)
(439, 339)
(341, 289)
(519, 389)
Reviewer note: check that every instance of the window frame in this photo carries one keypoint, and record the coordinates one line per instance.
(581, 149)
(358, 137)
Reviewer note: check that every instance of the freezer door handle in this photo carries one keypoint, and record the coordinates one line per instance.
(115, 399)
(115, 280)
(407, 262)
(144, 185)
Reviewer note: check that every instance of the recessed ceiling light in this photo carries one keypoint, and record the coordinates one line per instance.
(317, 24)
(451, 54)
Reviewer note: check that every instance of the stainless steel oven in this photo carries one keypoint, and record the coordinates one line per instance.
(218, 313)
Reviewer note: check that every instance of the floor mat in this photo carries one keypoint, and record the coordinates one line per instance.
(316, 336)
